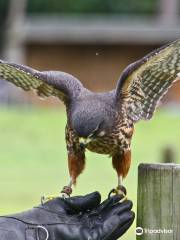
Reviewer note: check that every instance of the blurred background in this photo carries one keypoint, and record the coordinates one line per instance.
(93, 40)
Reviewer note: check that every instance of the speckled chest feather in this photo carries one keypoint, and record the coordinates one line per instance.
(119, 138)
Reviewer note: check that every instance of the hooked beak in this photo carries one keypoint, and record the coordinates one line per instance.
(84, 141)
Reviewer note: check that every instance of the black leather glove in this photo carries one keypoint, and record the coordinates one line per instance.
(75, 218)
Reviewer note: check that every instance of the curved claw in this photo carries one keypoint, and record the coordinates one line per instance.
(65, 193)
(45, 199)
(113, 191)
(120, 190)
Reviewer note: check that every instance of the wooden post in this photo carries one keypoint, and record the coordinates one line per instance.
(158, 213)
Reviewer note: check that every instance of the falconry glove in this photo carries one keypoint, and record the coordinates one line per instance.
(70, 219)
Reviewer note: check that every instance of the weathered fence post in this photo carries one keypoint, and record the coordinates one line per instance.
(158, 213)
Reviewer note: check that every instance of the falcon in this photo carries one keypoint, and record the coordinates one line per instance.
(103, 122)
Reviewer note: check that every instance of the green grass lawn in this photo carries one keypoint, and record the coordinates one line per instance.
(33, 157)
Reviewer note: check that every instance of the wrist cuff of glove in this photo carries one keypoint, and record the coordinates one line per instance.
(36, 233)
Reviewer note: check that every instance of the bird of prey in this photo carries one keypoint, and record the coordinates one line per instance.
(103, 122)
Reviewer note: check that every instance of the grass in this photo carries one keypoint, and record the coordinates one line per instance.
(33, 157)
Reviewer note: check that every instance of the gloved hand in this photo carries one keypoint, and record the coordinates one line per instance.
(75, 218)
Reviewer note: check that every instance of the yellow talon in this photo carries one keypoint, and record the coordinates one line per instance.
(120, 190)
(45, 199)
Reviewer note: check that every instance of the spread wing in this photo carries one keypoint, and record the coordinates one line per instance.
(47, 83)
(143, 83)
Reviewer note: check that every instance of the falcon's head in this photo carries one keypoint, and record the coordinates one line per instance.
(92, 122)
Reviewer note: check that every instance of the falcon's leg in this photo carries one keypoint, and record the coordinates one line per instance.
(76, 164)
(121, 162)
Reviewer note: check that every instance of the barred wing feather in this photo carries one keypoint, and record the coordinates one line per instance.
(47, 83)
(143, 83)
